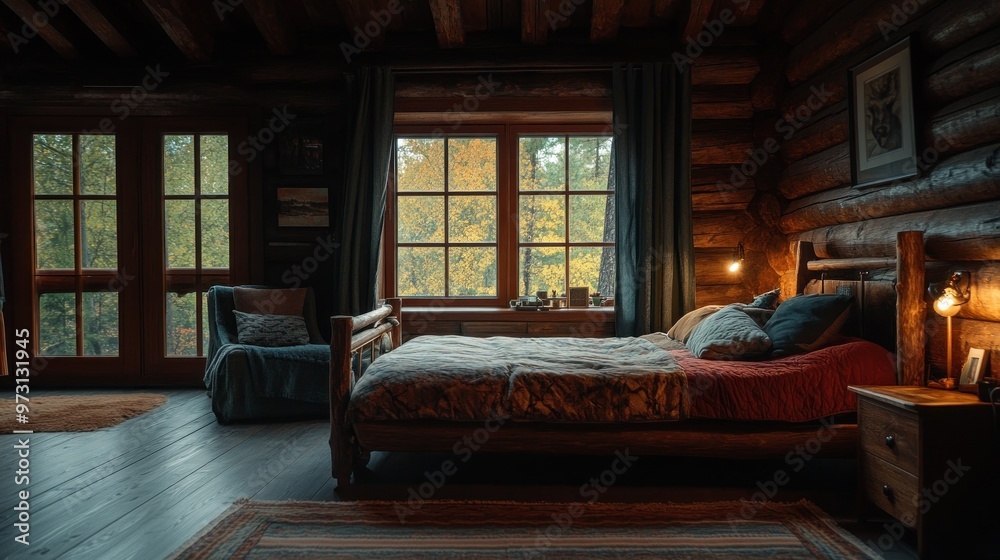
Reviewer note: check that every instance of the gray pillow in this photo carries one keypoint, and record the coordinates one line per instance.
(806, 323)
(728, 334)
(271, 330)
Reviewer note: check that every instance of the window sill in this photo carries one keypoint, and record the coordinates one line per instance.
(503, 314)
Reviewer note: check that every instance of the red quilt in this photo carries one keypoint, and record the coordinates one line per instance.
(793, 389)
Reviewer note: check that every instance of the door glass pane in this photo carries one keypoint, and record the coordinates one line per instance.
(204, 324)
(57, 324)
(182, 324)
(420, 164)
(215, 233)
(542, 163)
(54, 227)
(99, 233)
(52, 159)
(97, 165)
(589, 162)
(420, 271)
(178, 164)
(421, 219)
(100, 324)
(542, 268)
(472, 219)
(214, 164)
(591, 219)
(472, 164)
(593, 267)
(180, 234)
(542, 219)
(472, 271)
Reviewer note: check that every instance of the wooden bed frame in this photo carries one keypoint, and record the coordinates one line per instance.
(350, 444)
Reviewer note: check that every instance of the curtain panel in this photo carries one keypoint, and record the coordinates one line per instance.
(654, 244)
(370, 97)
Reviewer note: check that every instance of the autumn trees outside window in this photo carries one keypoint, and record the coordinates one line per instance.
(488, 213)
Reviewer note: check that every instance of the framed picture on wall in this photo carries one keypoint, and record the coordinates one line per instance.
(303, 207)
(883, 131)
(300, 150)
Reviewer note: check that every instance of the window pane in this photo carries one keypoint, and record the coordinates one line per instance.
(593, 267)
(99, 232)
(420, 271)
(100, 324)
(591, 219)
(180, 233)
(542, 163)
(57, 324)
(589, 162)
(542, 219)
(472, 219)
(97, 164)
(421, 219)
(214, 164)
(182, 324)
(472, 271)
(178, 164)
(420, 164)
(52, 163)
(215, 233)
(542, 268)
(205, 334)
(472, 164)
(54, 226)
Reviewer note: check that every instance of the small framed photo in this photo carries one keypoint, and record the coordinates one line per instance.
(579, 296)
(972, 370)
(303, 207)
(883, 130)
(300, 150)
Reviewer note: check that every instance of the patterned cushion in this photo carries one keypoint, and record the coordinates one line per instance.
(729, 334)
(271, 330)
(269, 302)
(806, 323)
(767, 300)
(683, 327)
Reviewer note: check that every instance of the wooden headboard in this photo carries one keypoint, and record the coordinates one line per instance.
(888, 293)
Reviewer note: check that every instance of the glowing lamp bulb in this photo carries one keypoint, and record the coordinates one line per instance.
(734, 267)
(945, 302)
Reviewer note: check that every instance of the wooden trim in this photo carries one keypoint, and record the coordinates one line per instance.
(505, 314)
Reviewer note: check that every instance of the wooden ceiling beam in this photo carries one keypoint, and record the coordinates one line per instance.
(273, 24)
(448, 23)
(534, 24)
(99, 24)
(694, 18)
(605, 20)
(358, 14)
(34, 17)
(184, 27)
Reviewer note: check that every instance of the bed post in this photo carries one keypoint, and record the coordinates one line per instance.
(804, 252)
(397, 311)
(910, 308)
(341, 382)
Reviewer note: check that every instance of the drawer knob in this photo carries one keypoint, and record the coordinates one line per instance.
(890, 442)
(887, 491)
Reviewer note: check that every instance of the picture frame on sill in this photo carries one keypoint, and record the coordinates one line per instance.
(579, 297)
(882, 121)
(972, 370)
(301, 207)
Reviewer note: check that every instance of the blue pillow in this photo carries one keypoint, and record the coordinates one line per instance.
(806, 323)
(767, 300)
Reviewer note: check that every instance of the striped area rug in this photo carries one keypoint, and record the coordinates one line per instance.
(493, 530)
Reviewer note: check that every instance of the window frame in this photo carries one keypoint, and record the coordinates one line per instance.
(508, 200)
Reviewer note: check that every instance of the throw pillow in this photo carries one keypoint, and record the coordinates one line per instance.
(270, 330)
(729, 334)
(683, 327)
(767, 300)
(805, 323)
(265, 301)
(759, 316)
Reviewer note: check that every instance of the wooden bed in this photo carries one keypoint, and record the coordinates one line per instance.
(878, 285)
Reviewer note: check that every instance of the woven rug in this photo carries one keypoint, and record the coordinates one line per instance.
(493, 530)
(80, 413)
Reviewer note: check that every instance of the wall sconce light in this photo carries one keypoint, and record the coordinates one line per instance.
(737, 262)
(949, 295)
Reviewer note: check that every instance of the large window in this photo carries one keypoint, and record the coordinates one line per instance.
(486, 214)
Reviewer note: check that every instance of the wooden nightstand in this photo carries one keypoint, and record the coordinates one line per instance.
(925, 459)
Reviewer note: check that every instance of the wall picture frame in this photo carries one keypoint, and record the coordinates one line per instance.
(302, 207)
(579, 296)
(972, 370)
(300, 150)
(882, 122)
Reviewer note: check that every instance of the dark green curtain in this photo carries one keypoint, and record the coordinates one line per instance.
(652, 159)
(370, 95)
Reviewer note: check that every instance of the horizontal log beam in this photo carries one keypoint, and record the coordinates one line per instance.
(818, 172)
(978, 71)
(966, 127)
(852, 264)
(984, 293)
(721, 295)
(818, 135)
(970, 177)
(721, 102)
(967, 333)
(720, 230)
(969, 232)
(720, 142)
(955, 22)
(511, 84)
(712, 178)
(724, 68)
(716, 200)
(805, 17)
(711, 267)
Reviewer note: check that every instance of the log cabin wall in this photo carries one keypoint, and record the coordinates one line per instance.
(954, 200)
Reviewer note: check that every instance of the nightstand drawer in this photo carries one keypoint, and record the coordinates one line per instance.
(896, 491)
(889, 435)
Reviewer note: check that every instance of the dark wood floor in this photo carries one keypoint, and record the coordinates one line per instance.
(141, 489)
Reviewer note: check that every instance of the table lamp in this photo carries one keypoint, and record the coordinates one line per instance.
(949, 295)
